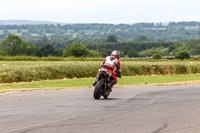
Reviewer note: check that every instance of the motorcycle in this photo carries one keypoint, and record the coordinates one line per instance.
(101, 88)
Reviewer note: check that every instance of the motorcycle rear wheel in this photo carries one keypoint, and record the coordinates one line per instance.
(106, 95)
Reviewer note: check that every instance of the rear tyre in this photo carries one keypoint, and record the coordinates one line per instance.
(97, 90)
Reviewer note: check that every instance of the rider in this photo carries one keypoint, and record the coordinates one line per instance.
(109, 64)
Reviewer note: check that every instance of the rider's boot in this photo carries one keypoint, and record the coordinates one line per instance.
(97, 79)
(110, 85)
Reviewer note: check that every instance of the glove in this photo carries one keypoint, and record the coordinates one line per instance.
(118, 74)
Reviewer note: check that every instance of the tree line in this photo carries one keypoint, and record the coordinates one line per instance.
(13, 45)
(153, 31)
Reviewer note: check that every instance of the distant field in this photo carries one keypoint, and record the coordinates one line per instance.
(25, 71)
(15, 31)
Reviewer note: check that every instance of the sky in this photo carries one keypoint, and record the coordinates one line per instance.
(101, 11)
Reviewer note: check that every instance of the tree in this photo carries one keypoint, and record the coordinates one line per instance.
(32, 50)
(47, 49)
(157, 56)
(41, 41)
(2, 52)
(143, 38)
(182, 55)
(194, 46)
(94, 53)
(13, 45)
(76, 49)
(58, 52)
(111, 39)
(148, 52)
(171, 48)
(132, 53)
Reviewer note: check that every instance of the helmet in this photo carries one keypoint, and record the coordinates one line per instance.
(116, 54)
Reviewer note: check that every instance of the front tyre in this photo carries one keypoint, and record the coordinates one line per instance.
(97, 90)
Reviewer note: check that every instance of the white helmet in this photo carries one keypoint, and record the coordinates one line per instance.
(116, 54)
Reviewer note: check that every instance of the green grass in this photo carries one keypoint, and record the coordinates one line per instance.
(87, 82)
(142, 80)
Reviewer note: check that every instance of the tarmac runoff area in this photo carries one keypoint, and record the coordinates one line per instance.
(142, 109)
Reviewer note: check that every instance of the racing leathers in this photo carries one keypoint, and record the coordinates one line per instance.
(109, 64)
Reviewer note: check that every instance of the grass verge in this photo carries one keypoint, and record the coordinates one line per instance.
(87, 82)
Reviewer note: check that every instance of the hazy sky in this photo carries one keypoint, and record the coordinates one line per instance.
(101, 11)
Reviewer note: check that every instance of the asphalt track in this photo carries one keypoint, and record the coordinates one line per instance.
(150, 109)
